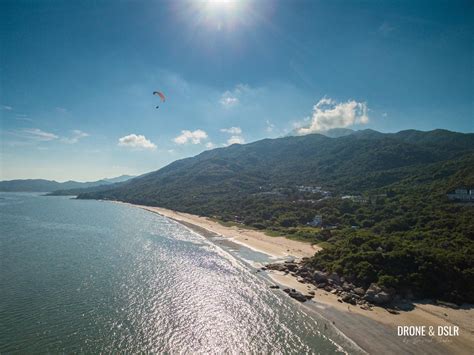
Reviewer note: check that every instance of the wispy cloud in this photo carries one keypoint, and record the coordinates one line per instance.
(23, 117)
(61, 109)
(75, 137)
(37, 134)
(270, 126)
(210, 145)
(194, 137)
(137, 142)
(6, 107)
(232, 130)
(328, 113)
(235, 140)
(231, 98)
(385, 29)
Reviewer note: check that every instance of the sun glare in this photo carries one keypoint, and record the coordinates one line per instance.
(221, 14)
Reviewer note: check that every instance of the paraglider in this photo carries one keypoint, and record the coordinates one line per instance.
(161, 95)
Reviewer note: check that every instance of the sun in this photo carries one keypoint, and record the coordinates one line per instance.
(220, 14)
(220, 7)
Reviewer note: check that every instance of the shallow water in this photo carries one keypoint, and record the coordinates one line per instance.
(96, 276)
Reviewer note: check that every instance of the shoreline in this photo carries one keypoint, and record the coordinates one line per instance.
(373, 331)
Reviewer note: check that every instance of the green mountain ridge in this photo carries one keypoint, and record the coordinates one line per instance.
(348, 164)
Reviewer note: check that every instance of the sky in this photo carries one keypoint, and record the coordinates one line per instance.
(77, 78)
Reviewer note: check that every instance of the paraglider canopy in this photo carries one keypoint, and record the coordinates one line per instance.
(160, 94)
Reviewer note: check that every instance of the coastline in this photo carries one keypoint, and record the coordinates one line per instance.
(373, 331)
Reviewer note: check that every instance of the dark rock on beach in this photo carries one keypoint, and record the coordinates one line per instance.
(343, 287)
(297, 296)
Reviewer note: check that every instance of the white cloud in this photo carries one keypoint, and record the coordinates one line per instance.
(210, 145)
(75, 137)
(135, 141)
(270, 126)
(236, 135)
(194, 137)
(228, 101)
(38, 134)
(328, 114)
(231, 98)
(232, 130)
(235, 140)
(6, 107)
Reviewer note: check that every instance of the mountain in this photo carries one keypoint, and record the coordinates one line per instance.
(337, 132)
(381, 198)
(41, 185)
(348, 164)
(120, 178)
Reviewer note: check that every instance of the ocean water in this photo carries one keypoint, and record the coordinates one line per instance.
(91, 276)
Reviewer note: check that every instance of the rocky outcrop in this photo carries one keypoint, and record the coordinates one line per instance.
(346, 291)
(377, 295)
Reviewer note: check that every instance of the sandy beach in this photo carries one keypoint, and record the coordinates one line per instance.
(274, 246)
(374, 331)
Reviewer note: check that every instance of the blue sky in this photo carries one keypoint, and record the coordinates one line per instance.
(77, 77)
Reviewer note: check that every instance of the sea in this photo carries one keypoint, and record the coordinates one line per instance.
(94, 276)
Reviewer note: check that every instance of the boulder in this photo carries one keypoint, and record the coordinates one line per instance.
(359, 291)
(382, 298)
(275, 286)
(335, 278)
(375, 294)
(348, 299)
(346, 286)
(297, 296)
(320, 277)
(371, 292)
(291, 266)
(277, 267)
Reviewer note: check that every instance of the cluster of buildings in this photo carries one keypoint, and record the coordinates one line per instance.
(313, 190)
(462, 195)
(355, 198)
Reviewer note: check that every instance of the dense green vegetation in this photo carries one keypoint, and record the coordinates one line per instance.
(399, 230)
